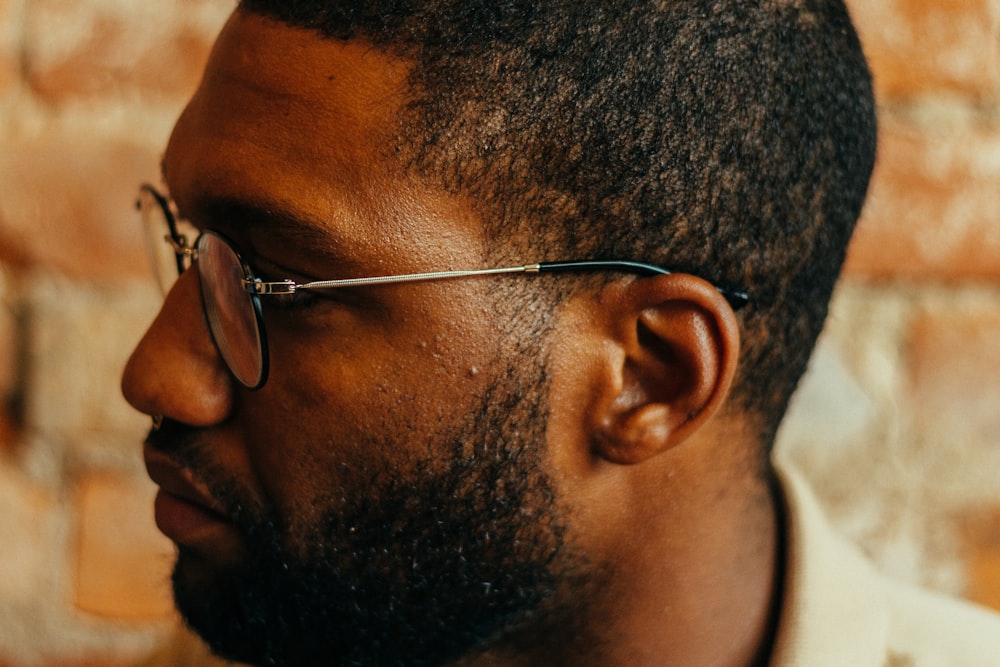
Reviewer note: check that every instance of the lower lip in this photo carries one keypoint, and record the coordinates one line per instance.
(185, 522)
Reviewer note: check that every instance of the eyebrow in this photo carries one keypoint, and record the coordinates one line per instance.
(282, 219)
(248, 220)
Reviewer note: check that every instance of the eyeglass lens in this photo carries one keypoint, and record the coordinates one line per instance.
(231, 312)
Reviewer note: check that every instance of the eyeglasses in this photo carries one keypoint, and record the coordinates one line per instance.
(231, 293)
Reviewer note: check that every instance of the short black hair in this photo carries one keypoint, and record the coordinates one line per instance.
(725, 138)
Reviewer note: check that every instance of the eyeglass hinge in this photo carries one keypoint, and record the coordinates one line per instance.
(260, 287)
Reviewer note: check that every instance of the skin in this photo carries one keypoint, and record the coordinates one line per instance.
(647, 459)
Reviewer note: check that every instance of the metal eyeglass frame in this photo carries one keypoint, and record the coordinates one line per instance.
(255, 288)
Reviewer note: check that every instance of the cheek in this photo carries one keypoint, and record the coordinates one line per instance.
(339, 409)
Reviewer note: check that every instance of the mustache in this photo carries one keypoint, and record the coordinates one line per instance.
(172, 438)
(190, 449)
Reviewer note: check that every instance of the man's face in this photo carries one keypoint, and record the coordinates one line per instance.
(383, 497)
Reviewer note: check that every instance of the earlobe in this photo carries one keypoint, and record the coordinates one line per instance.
(680, 341)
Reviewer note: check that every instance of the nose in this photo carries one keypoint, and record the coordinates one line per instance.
(175, 371)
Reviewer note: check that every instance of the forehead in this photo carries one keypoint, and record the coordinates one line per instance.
(287, 120)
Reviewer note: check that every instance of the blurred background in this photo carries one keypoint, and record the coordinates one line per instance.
(897, 423)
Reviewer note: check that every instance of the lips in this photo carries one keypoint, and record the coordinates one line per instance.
(185, 511)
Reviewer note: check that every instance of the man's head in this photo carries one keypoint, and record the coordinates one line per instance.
(438, 469)
(730, 140)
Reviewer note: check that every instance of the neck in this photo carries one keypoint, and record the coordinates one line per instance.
(699, 588)
(710, 597)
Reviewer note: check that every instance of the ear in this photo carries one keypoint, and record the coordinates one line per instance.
(678, 344)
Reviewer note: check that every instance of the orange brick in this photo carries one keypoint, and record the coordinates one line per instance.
(30, 545)
(8, 45)
(150, 49)
(954, 390)
(123, 563)
(67, 203)
(932, 209)
(9, 429)
(920, 47)
(10, 361)
(981, 533)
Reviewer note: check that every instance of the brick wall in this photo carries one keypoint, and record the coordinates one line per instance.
(88, 94)
(897, 422)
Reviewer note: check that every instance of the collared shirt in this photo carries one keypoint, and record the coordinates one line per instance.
(838, 611)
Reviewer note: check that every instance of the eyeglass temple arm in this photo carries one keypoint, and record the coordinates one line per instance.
(736, 298)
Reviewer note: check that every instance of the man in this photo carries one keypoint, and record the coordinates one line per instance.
(564, 463)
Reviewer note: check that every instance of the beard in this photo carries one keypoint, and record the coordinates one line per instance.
(422, 565)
